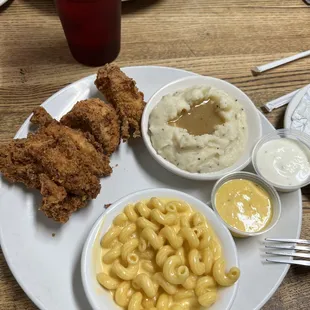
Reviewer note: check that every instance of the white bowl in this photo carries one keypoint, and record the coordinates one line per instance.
(100, 299)
(253, 119)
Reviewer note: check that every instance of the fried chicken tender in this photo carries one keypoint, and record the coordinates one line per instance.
(122, 93)
(20, 162)
(64, 166)
(56, 204)
(60, 212)
(65, 159)
(88, 151)
(51, 192)
(63, 163)
(58, 157)
(97, 118)
(17, 165)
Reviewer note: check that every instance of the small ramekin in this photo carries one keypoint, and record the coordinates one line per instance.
(275, 200)
(297, 135)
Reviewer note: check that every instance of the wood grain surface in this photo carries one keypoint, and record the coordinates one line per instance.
(223, 39)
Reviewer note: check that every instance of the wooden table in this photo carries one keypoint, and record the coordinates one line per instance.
(211, 37)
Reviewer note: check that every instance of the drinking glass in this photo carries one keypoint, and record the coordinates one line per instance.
(92, 29)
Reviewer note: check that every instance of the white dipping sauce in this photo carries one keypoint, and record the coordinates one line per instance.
(283, 162)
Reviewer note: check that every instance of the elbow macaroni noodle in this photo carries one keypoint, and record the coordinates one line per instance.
(173, 270)
(169, 288)
(126, 232)
(146, 284)
(128, 248)
(135, 301)
(222, 278)
(148, 266)
(197, 267)
(143, 210)
(121, 220)
(161, 255)
(112, 255)
(122, 294)
(148, 303)
(143, 223)
(190, 236)
(125, 273)
(163, 302)
(173, 239)
(163, 219)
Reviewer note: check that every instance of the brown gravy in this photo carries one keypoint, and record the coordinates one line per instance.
(200, 119)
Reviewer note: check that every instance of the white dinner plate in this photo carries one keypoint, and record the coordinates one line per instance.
(48, 268)
(2, 2)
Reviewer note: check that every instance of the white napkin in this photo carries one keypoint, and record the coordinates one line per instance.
(301, 115)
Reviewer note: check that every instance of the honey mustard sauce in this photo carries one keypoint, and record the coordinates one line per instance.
(244, 205)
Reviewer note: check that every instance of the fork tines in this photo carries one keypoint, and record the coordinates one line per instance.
(293, 245)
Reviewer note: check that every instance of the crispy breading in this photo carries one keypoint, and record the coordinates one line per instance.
(51, 192)
(88, 151)
(17, 165)
(23, 161)
(41, 117)
(61, 212)
(62, 162)
(122, 93)
(56, 204)
(97, 118)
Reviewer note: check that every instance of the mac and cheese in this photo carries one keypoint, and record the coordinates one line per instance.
(161, 255)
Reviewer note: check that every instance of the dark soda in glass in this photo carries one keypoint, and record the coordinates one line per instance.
(92, 29)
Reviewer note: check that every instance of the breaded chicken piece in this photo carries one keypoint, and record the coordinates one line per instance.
(51, 192)
(122, 93)
(61, 212)
(63, 164)
(56, 204)
(97, 118)
(23, 161)
(17, 165)
(54, 165)
(90, 152)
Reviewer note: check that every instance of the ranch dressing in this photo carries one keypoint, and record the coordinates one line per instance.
(284, 162)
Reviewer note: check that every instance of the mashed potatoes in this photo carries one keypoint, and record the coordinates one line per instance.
(199, 153)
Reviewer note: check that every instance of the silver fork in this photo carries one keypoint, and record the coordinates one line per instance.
(294, 245)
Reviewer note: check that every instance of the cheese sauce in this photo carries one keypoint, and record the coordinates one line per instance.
(244, 205)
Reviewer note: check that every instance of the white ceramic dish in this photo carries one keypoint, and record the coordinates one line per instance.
(293, 134)
(254, 124)
(292, 107)
(275, 200)
(48, 268)
(2, 2)
(100, 299)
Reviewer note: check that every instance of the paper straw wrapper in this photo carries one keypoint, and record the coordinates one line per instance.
(281, 101)
(277, 63)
